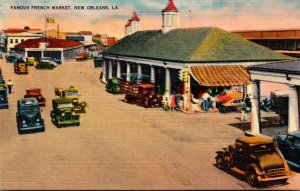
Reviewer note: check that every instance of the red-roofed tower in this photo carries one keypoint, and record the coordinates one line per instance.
(170, 16)
(133, 24)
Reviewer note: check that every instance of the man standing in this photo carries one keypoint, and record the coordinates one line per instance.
(246, 108)
(10, 86)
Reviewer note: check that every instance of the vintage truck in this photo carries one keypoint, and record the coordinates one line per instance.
(72, 93)
(29, 118)
(3, 95)
(280, 104)
(20, 67)
(113, 85)
(257, 158)
(81, 56)
(63, 113)
(141, 93)
(31, 61)
(36, 93)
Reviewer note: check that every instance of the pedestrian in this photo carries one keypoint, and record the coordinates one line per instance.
(206, 100)
(166, 104)
(172, 102)
(10, 86)
(246, 108)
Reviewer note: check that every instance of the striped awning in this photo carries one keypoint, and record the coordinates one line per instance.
(222, 75)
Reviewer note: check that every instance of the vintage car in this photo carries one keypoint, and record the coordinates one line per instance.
(46, 64)
(113, 85)
(98, 61)
(289, 145)
(35, 93)
(31, 61)
(280, 104)
(257, 158)
(29, 118)
(11, 58)
(72, 93)
(81, 56)
(20, 67)
(63, 113)
(3, 95)
(56, 60)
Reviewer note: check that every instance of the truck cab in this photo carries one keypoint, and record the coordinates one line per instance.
(63, 113)
(29, 118)
(36, 93)
(20, 67)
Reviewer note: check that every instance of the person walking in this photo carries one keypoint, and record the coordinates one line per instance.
(10, 86)
(172, 102)
(246, 108)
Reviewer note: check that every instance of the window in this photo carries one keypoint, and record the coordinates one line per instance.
(16, 40)
(22, 40)
(11, 40)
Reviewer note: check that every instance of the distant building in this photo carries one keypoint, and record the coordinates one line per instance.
(283, 41)
(133, 25)
(74, 36)
(13, 36)
(106, 40)
(55, 48)
(88, 37)
(56, 34)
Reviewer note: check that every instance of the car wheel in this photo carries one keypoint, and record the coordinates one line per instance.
(252, 178)
(220, 161)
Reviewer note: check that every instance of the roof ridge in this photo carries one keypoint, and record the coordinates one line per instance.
(201, 43)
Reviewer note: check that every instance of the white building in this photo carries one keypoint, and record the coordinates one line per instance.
(12, 37)
(88, 37)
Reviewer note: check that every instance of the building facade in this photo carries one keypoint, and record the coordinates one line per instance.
(282, 41)
(284, 73)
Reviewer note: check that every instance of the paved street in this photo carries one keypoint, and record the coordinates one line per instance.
(118, 145)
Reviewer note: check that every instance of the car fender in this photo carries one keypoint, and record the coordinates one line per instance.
(255, 167)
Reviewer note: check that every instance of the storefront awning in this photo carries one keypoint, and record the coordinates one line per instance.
(222, 75)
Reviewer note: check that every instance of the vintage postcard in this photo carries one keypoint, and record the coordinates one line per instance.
(140, 94)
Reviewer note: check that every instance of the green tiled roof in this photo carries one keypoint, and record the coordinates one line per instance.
(192, 45)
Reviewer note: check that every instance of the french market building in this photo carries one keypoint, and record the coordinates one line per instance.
(213, 56)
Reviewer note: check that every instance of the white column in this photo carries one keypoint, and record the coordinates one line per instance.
(128, 72)
(104, 71)
(168, 83)
(118, 69)
(293, 124)
(110, 69)
(152, 74)
(26, 54)
(255, 108)
(139, 69)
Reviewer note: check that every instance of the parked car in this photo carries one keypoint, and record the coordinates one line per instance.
(113, 85)
(257, 158)
(36, 93)
(11, 58)
(20, 67)
(289, 145)
(46, 64)
(31, 61)
(63, 113)
(98, 61)
(3, 95)
(29, 118)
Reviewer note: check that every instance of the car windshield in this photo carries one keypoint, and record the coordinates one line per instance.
(72, 93)
(263, 148)
(65, 105)
(29, 109)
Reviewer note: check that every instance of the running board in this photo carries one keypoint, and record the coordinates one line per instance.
(238, 171)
